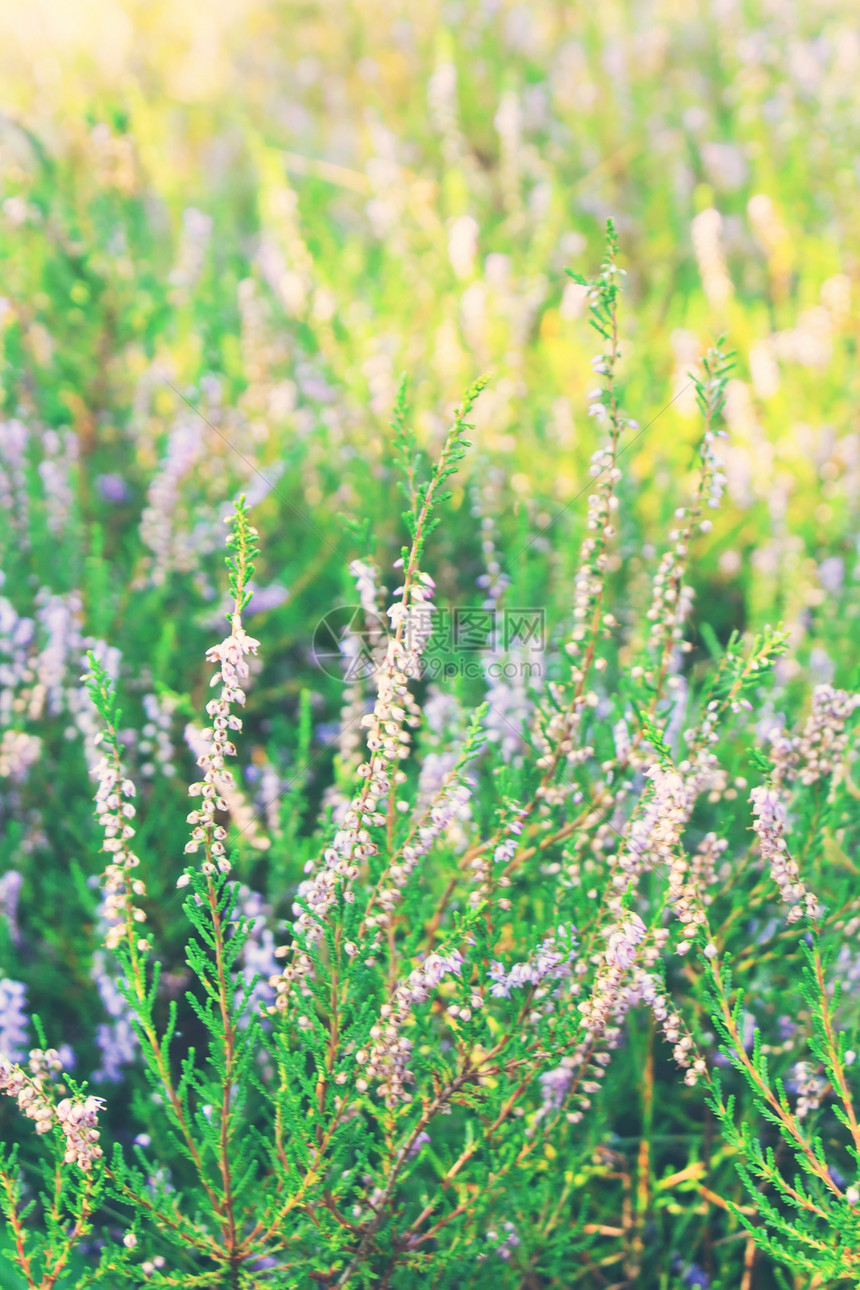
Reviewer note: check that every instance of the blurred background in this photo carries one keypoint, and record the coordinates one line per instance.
(280, 207)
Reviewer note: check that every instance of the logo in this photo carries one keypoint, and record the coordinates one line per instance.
(349, 643)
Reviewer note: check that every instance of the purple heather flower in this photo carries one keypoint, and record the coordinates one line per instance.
(696, 1276)
(555, 1085)
(266, 598)
(423, 1137)
(13, 1020)
(113, 488)
(10, 885)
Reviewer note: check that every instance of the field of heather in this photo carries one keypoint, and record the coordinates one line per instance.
(429, 682)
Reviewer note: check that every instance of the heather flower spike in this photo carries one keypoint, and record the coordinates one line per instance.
(77, 1117)
(231, 674)
(123, 887)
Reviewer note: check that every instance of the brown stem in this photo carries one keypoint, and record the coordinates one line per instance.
(833, 1051)
(784, 1117)
(227, 1082)
(22, 1259)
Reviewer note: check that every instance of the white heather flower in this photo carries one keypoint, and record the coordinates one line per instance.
(824, 740)
(156, 744)
(463, 245)
(28, 1092)
(451, 799)
(670, 801)
(237, 804)
(18, 752)
(78, 1120)
(166, 526)
(810, 1088)
(115, 810)
(215, 743)
(655, 832)
(706, 232)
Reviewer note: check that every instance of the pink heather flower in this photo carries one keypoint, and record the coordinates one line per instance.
(769, 824)
(500, 988)
(505, 851)
(421, 1140)
(824, 740)
(555, 1085)
(550, 959)
(78, 1120)
(388, 743)
(387, 1061)
(622, 941)
(117, 1039)
(18, 752)
(77, 1117)
(165, 526)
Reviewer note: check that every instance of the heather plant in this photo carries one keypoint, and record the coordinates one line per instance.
(626, 760)
(384, 1024)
